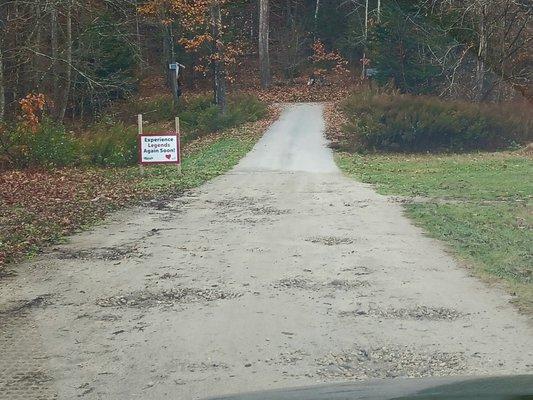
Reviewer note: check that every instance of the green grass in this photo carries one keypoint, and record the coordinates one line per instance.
(480, 204)
(489, 176)
(202, 165)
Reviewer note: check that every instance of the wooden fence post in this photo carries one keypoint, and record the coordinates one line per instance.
(178, 133)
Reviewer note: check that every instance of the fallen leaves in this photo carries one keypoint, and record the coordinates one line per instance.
(38, 207)
(334, 88)
(335, 120)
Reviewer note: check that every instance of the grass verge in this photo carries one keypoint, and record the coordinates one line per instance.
(40, 207)
(479, 204)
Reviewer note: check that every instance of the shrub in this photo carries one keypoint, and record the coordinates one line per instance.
(246, 108)
(406, 123)
(200, 116)
(49, 146)
(110, 144)
(114, 144)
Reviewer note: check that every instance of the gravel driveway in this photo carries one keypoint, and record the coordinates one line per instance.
(280, 273)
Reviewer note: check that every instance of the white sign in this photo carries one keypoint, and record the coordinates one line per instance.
(159, 149)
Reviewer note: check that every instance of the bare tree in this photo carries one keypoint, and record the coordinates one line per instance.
(54, 47)
(219, 70)
(264, 56)
(68, 64)
(2, 87)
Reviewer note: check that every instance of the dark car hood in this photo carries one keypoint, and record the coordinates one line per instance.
(469, 388)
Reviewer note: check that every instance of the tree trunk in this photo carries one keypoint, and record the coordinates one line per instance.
(139, 39)
(173, 77)
(219, 71)
(481, 54)
(165, 56)
(264, 56)
(315, 24)
(2, 89)
(36, 62)
(363, 66)
(68, 66)
(55, 51)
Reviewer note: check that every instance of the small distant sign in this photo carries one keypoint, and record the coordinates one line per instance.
(161, 148)
(173, 66)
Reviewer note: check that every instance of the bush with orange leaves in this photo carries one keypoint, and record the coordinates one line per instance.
(324, 61)
(32, 107)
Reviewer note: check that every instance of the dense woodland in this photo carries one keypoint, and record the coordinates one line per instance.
(83, 54)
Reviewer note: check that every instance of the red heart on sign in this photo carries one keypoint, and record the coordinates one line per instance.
(168, 156)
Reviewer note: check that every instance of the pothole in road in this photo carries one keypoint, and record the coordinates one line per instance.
(104, 253)
(24, 305)
(143, 299)
(238, 203)
(167, 205)
(6, 273)
(330, 240)
(389, 362)
(416, 313)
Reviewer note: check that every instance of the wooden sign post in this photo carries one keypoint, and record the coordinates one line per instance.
(139, 134)
(177, 129)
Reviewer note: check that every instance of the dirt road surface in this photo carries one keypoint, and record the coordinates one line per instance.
(280, 273)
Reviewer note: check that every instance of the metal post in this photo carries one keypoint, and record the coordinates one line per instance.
(140, 132)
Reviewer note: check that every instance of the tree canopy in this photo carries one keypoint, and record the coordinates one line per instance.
(82, 55)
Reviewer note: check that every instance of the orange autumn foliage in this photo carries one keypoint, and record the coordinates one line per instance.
(324, 61)
(194, 19)
(32, 107)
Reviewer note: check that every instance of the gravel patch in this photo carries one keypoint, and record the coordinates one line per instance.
(295, 282)
(389, 362)
(104, 253)
(416, 313)
(358, 270)
(143, 299)
(267, 210)
(203, 366)
(330, 240)
(308, 284)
